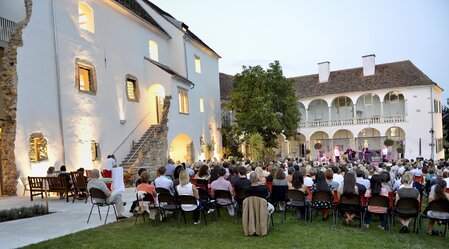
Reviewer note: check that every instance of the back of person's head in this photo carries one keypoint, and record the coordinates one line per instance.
(279, 174)
(80, 170)
(385, 176)
(95, 173)
(334, 169)
(62, 168)
(233, 162)
(440, 187)
(177, 170)
(290, 171)
(297, 180)
(360, 173)
(303, 171)
(321, 184)
(183, 178)
(376, 184)
(161, 171)
(407, 178)
(141, 170)
(145, 176)
(329, 174)
(242, 171)
(204, 171)
(222, 172)
(349, 183)
(253, 177)
(51, 170)
(312, 172)
(170, 161)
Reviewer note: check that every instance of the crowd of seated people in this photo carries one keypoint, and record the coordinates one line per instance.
(392, 179)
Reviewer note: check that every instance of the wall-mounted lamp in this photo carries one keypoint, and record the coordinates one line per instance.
(122, 121)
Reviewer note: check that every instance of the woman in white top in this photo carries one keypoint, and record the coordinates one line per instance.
(187, 188)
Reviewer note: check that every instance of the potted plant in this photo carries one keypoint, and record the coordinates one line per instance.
(318, 146)
(388, 142)
(400, 151)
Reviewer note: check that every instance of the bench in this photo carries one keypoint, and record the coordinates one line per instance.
(55, 185)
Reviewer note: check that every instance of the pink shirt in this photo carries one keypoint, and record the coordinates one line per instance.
(377, 209)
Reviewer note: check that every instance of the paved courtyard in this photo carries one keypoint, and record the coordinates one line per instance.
(67, 218)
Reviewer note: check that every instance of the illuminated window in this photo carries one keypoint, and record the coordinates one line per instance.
(95, 150)
(201, 104)
(37, 147)
(85, 79)
(183, 101)
(86, 17)
(197, 64)
(132, 88)
(154, 53)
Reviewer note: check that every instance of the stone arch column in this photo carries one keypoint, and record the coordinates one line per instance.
(8, 89)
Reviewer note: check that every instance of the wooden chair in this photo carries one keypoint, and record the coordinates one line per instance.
(79, 186)
(26, 185)
(98, 198)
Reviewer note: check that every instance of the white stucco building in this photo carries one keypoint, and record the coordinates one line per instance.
(364, 106)
(92, 76)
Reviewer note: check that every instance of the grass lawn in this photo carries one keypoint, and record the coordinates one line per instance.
(223, 233)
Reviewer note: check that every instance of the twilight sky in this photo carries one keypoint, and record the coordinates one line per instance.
(301, 33)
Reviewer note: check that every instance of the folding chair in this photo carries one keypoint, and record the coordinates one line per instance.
(435, 206)
(381, 201)
(326, 196)
(225, 196)
(167, 202)
(297, 199)
(350, 204)
(407, 208)
(98, 198)
(190, 200)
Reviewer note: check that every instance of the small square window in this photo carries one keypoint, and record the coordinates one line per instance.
(201, 104)
(85, 79)
(132, 88)
(197, 64)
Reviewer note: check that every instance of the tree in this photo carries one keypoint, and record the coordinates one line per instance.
(256, 147)
(446, 131)
(264, 102)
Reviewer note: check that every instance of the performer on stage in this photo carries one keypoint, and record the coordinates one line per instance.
(337, 154)
(350, 154)
(385, 153)
(365, 152)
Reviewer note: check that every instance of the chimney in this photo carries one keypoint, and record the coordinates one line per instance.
(323, 71)
(369, 64)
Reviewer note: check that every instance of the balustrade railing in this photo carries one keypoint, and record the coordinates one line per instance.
(355, 121)
(7, 27)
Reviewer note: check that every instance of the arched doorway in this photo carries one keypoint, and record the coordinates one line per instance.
(181, 148)
(370, 138)
(322, 138)
(157, 96)
(396, 134)
(344, 139)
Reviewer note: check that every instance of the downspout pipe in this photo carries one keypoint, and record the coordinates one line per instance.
(58, 80)
(432, 128)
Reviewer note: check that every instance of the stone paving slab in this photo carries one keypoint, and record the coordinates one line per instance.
(67, 218)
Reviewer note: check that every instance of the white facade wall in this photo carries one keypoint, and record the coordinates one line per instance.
(117, 48)
(417, 123)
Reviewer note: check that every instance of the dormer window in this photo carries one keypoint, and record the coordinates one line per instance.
(86, 17)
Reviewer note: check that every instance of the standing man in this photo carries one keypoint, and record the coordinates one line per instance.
(337, 154)
(385, 154)
(113, 197)
(109, 163)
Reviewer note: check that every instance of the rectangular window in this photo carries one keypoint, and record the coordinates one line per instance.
(197, 64)
(201, 104)
(183, 101)
(84, 74)
(85, 79)
(132, 88)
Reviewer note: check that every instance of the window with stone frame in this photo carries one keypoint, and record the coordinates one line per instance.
(132, 88)
(95, 150)
(37, 147)
(183, 99)
(85, 77)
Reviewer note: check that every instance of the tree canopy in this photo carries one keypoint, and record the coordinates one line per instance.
(264, 102)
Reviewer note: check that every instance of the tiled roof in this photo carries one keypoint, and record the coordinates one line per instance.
(226, 85)
(389, 75)
(135, 7)
(168, 70)
(178, 24)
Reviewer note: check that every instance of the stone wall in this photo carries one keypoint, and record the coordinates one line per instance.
(154, 153)
(8, 89)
